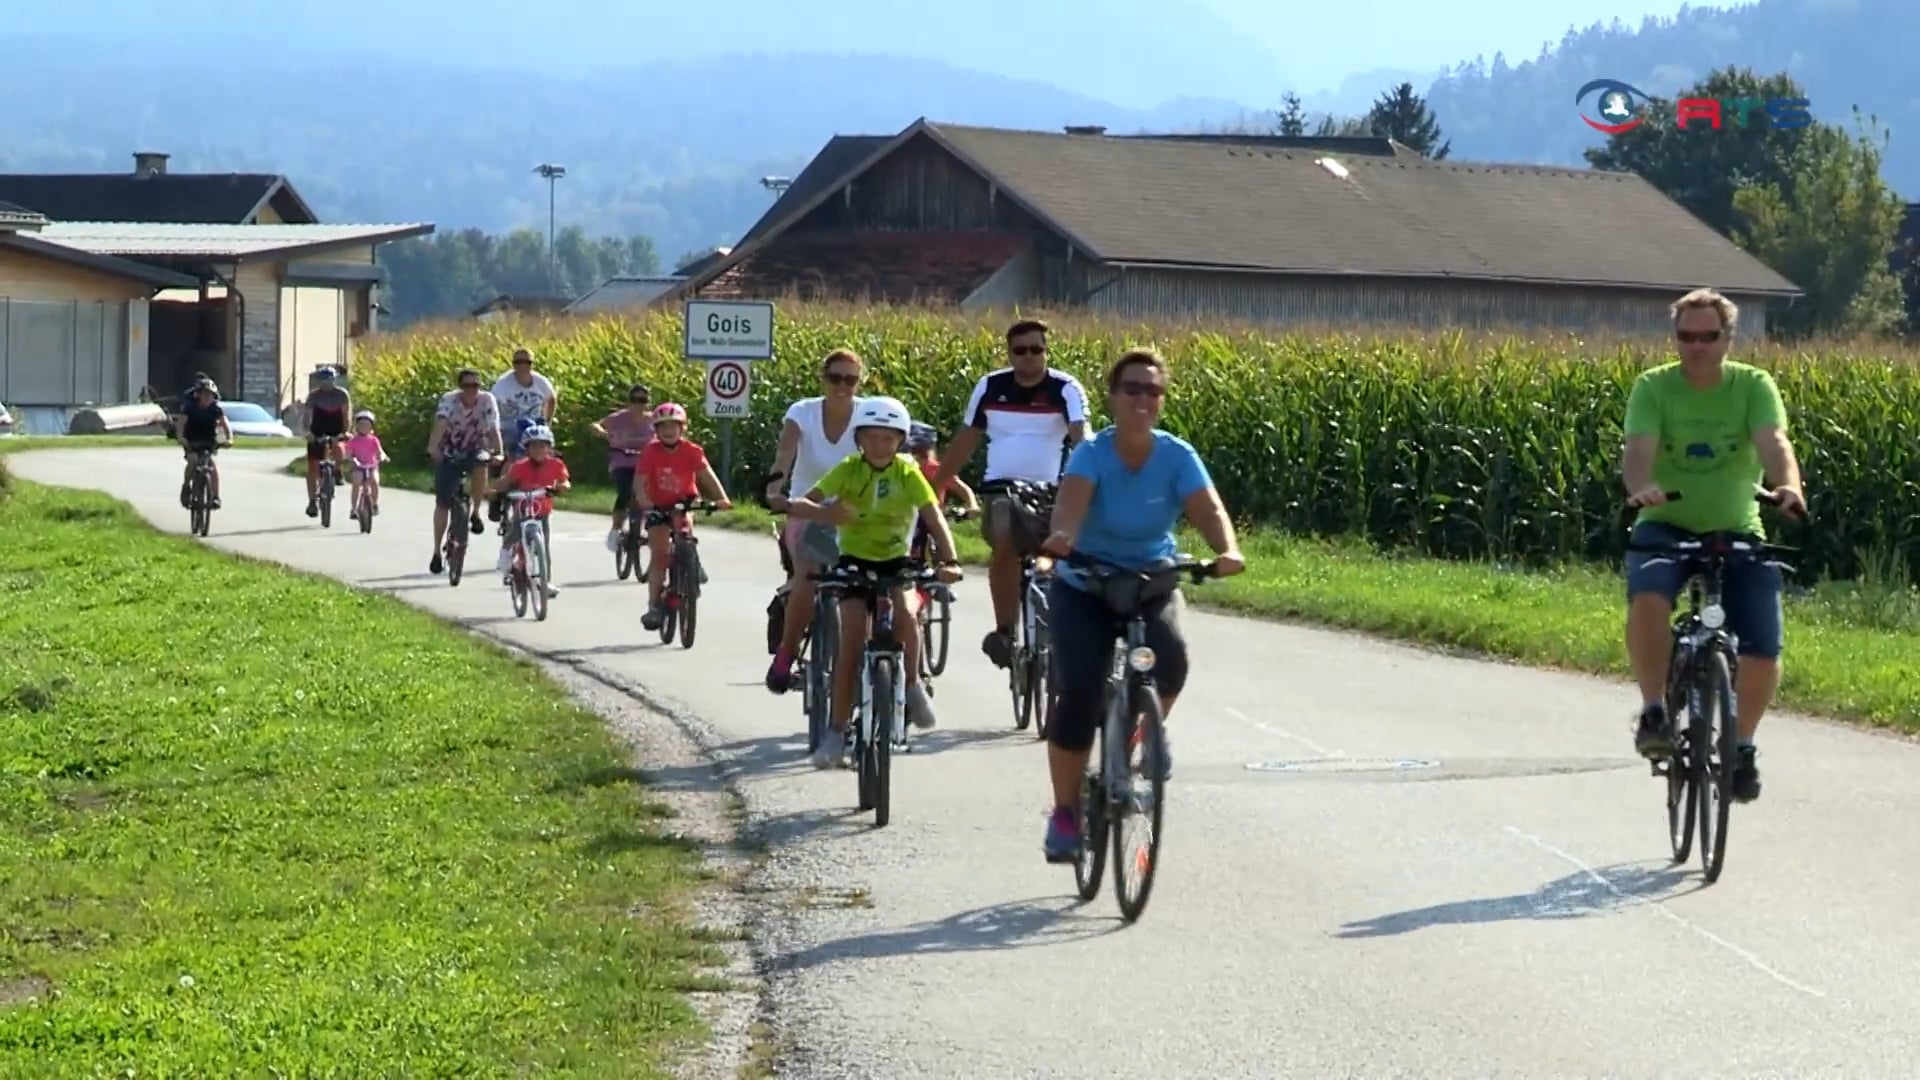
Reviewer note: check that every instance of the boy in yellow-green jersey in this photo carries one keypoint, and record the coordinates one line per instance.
(875, 497)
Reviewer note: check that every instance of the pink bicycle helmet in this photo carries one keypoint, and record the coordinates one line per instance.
(669, 411)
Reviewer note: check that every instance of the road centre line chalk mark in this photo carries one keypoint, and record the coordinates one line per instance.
(1754, 961)
(1285, 734)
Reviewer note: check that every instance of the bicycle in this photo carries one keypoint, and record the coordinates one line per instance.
(878, 718)
(680, 593)
(1029, 667)
(455, 547)
(813, 655)
(934, 661)
(633, 538)
(1131, 740)
(363, 507)
(1699, 770)
(529, 570)
(200, 488)
(328, 477)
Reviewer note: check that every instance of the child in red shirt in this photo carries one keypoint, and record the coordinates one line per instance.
(541, 468)
(669, 469)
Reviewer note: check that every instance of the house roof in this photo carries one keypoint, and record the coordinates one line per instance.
(898, 267)
(221, 242)
(839, 156)
(100, 264)
(200, 198)
(521, 302)
(625, 291)
(1226, 205)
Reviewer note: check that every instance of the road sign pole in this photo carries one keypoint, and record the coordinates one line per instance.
(726, 448)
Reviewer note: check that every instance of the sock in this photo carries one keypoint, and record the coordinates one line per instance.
(1742, 742)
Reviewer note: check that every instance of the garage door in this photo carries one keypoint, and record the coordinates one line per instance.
(65, 352)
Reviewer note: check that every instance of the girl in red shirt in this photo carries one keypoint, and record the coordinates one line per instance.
(541, 468)
(670, 468)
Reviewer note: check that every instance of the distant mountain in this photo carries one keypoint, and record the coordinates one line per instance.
(674, 150)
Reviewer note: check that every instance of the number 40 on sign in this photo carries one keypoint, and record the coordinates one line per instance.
(729, 335)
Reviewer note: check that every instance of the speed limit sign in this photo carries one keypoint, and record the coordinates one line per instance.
(728, 382)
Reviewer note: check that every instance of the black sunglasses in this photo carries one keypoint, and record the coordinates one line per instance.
(842, 379)
(1135, 389)
(469, 386)
(1029, 350)
(1691, 336)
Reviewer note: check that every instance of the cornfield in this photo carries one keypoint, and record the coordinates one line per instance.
(1449, 445)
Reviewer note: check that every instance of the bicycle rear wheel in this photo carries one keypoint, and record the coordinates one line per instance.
(1715, 730)
(1091, 867)
(1136, 859)
(326, 503)
(199, 516)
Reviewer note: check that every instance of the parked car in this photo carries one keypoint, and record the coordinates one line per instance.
(6, 421)
(250, 420)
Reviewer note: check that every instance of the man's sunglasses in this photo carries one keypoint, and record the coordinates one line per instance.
(469, 386)
(839, 378)
(1028, 350)
(638, 400)
(1692, 336)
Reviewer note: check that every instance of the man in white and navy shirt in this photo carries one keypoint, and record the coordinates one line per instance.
(1030, 414)
(526, 398)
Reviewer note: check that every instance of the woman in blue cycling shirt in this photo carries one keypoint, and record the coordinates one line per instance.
(1121, 496)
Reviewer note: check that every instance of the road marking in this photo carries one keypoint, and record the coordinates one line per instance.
(1753, 960)
(1272, 729)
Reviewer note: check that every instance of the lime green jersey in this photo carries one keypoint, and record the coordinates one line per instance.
(1705, 449)
(887, 500)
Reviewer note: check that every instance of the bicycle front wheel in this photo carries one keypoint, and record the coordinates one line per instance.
(1136, 835)
(686, 565)
(1091, 867)
(878, 759)
(536, 577)
(1715, 730)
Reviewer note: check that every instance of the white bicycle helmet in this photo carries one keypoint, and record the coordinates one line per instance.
(364, 414)
(538, 433)
(884, 412)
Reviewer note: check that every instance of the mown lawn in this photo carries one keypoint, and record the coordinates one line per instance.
(253, 823)
(1853, 650)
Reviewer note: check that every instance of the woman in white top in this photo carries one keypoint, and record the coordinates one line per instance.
(817, 435)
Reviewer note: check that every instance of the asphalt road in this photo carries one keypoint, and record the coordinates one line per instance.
(1509, 911)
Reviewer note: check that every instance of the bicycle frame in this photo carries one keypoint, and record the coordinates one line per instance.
(883, 652)
(1028, 669)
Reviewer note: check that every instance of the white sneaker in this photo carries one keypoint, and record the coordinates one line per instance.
(919, 708)
(613, 539)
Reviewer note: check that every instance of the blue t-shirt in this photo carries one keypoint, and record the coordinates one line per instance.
(1131, 517)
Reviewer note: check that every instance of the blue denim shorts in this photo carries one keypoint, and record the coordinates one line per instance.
(1751, 593)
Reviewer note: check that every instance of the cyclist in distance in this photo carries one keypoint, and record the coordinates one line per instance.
(1123, 493)
(325, 420)
(1710, 429)
(202, 425)
(627, 429)
(525, 398)
(874, 497)
(467, 420)
(669, 469)
(1030, 414)
(817, 434)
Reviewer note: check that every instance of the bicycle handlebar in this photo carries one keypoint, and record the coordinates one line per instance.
(1197, 570)
(691, 502)
(845, 577)
(530, 493)
(1763, 497)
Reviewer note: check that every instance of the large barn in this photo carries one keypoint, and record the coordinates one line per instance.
(1269, 229)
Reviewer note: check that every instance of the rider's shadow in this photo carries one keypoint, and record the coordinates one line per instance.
(1015, 924)
(1582, 894)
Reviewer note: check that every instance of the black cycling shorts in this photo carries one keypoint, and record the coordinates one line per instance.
(1082, 634)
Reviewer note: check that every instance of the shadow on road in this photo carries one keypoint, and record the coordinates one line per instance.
(1018, 924)
(607, 650)
(1576, 896)
(944, 739)
(217, 534)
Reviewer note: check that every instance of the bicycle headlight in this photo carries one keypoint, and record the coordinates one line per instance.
(1713, 616)
(1140, 659)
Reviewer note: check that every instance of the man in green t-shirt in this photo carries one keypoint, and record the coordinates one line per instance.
(1709, 429)
(875, 497)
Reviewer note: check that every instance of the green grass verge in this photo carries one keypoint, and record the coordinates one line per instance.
(253, 823)
(1853, 648)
